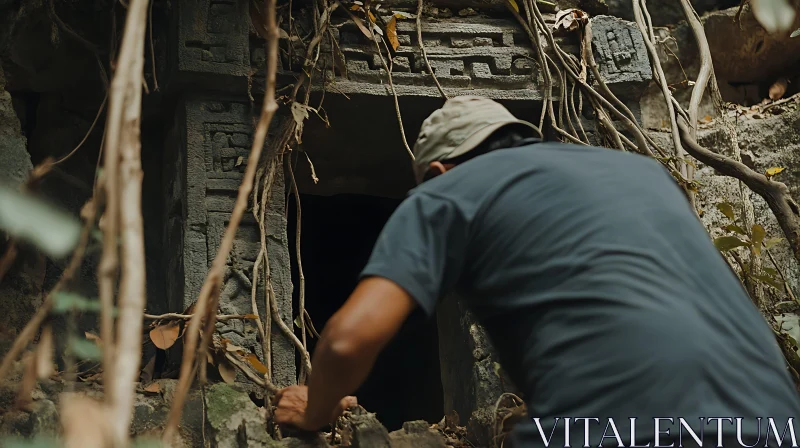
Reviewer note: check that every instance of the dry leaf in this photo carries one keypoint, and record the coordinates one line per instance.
(707, 119)
(227, 371)
(163, 336)
(391, 33)
(514, 5)
(570, 19)
(778, 89)
(300, 114)
(403, 15)
(774, 171)
(153, 388)
(253, 360)
(233, 348)
(250, 316)
(94, 338)
(44, 354)
(239, 161)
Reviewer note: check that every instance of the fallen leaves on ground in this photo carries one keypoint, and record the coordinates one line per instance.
(153, 388)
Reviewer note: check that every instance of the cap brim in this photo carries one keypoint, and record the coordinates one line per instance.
(482, 134)
(474, 140)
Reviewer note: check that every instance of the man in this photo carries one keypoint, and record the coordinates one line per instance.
(600, 289)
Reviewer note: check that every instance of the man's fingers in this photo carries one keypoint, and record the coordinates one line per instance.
(349, 402)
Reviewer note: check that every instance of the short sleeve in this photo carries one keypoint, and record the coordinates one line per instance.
(421, 248)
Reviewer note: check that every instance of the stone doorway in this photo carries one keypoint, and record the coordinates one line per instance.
(364, 172)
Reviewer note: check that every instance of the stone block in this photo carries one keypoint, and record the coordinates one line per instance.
(417, 434)
(206, 157)
(212, 44)
(621, 56)
(471, 379)
(234, 420)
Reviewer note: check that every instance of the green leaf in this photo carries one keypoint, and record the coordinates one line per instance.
(772, 242)
(30, 219)
(757, 238)
(735, 228)
(727, 210)
(774, 15)
(726, 243)
(67, 301)
(771, 272)
(84, 349)
(795, 33)
(775, 283)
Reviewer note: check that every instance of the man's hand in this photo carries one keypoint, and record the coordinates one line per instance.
(291, 408)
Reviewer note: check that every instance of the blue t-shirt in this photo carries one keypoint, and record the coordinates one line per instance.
(600, 289)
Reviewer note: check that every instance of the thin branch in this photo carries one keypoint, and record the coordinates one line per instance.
(301, 301)
(127, 92)
(152, 48)
(178, 316)
(391, 85)
(8, 259)
(214, 277)
(88, 133)
(425, 53)
(775, 194)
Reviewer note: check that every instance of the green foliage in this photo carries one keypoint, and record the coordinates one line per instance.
(84, 349)
(755, 239)
(29, 219)
(67, 301)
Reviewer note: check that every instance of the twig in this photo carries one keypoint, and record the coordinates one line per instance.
(152, 48)
(658, 73)
(425, 53)
(8, 259)
(89, 132)
(126, 94)
(391, 84)
(29, 332)
(259, 212)
(706, 68)
(276, 318)
(213, 279)
(301, 301)
(263, 382)
(775, 194)
(783, 277)
(176, 316)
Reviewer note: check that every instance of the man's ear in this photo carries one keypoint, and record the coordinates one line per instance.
(436, 169)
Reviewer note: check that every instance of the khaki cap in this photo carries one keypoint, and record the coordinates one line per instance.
(462, 124)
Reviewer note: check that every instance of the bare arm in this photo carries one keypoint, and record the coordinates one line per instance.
(348, 347)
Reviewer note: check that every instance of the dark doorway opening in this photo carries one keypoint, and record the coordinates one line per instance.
(338, 233)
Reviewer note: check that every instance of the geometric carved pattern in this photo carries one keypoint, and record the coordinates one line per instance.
(463, 54)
